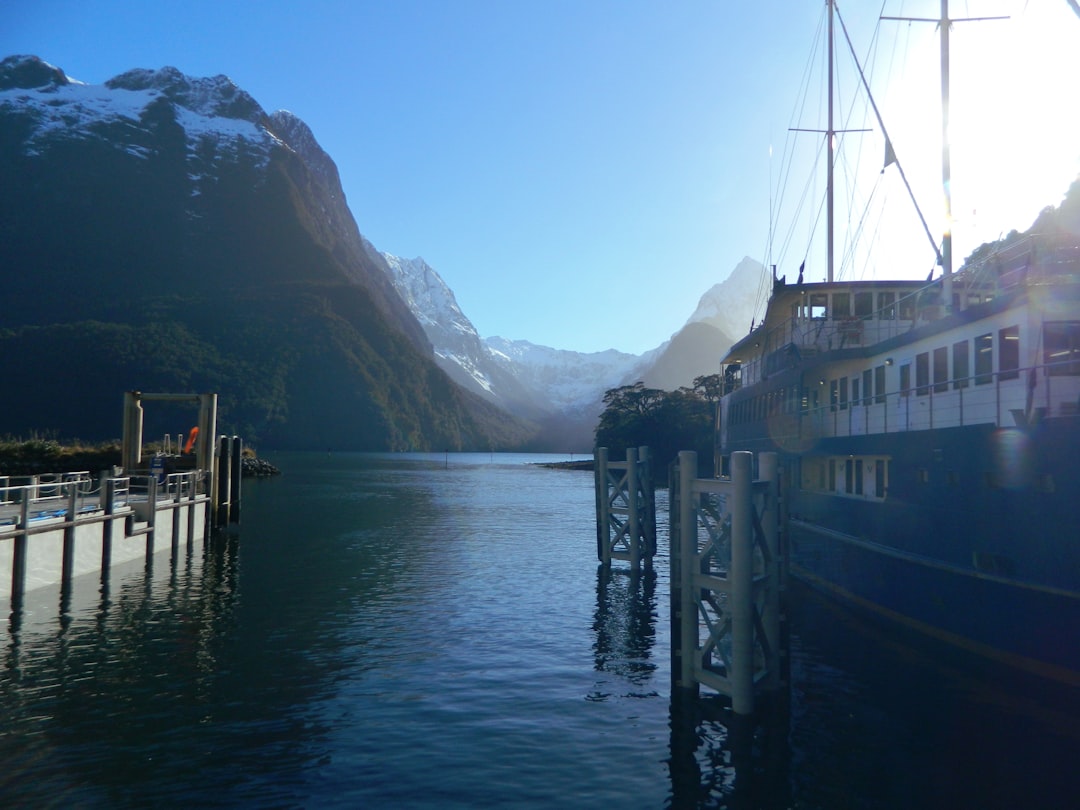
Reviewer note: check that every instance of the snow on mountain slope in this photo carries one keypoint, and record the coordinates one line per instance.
(62, 107)
(524, 378)
(571, 380)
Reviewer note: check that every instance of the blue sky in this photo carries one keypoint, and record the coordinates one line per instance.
(581, 172)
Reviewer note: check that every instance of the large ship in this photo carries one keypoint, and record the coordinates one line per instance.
(929, 432)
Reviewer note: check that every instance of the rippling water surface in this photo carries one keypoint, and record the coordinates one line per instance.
(433, 631)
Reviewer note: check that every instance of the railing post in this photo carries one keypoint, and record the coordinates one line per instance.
(741, 577)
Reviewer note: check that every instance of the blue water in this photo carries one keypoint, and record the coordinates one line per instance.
(434, 631)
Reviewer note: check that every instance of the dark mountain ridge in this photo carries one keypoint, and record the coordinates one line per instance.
(163, 233)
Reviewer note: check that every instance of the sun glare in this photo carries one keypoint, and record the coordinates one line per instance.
(1013, 126)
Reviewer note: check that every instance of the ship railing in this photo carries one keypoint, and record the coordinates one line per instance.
(1010, 398)
(1005, 398)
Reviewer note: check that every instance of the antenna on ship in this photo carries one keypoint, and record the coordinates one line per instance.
(944, 23)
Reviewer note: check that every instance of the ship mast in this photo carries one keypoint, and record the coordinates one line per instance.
(830, 137)
(944, 24)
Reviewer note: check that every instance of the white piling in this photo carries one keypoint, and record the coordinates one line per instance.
(741, 577)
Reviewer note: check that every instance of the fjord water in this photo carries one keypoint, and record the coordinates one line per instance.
(433, 631)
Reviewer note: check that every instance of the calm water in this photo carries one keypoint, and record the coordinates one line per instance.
(432, 631)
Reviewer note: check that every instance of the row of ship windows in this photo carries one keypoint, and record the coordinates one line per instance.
(1061, 355)
(869, 477)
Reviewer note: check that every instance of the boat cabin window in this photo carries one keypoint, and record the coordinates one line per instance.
(864, 305)
(907, 308)
(960, 369)
(905, 380)
(1061, 340)
(819, 305)
(850, 476)
(1009, 352)
(922, 374)
(841, 305)
(879, 384)
(886, 304)
(868, 385)
(984, 359)
(941, 369)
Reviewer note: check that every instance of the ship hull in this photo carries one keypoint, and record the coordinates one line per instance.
(987, 565)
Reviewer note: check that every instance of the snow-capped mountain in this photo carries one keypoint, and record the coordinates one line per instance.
(526, 379)
(163, 232)
(540, 381)
(730, 305)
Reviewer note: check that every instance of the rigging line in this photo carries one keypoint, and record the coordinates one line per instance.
(881, 122)
(797, 113)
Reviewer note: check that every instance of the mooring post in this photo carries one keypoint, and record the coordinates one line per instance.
(602, 503)
(647, 513)
(741, 577)
(236, 474)
(108, 506)
(151, 516)
(768, 469)
(687, 543)
(224, 474)
(67, 558)
(18, 560)
(633, 513)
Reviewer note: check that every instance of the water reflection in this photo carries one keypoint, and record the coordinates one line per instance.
(720, 759)
(625, 627)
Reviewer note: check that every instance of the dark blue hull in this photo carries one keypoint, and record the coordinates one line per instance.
(983, 553)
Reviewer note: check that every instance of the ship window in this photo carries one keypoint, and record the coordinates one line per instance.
(907, 308)
(854, 391)
(843, 393)
(879, 384)
(941, 369)
(849, 476)
(1009, 352)
(905, 380)
(881, 469)
(886, 304)
(858, 476)
(841, 304)
(960, 364)
(984, 359)
(834, 394)
(819, 305)
(1062, 352)
(922, 374)
(867, 385)
(864, 305)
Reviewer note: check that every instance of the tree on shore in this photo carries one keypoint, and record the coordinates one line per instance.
(665, 421)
